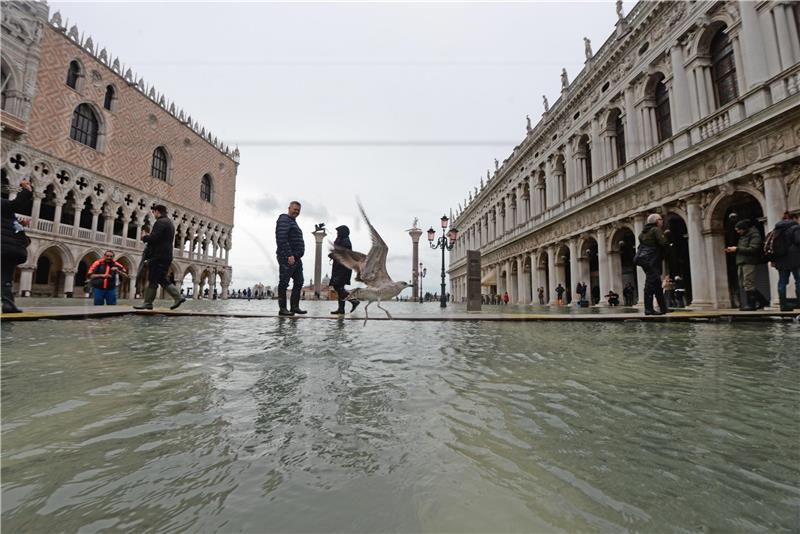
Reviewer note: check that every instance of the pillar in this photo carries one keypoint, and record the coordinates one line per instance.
(697, 254)
(521, 297)
(574, 267)
(57, 219)
(319, 235)
(632, 136)
(95, 219)
(25, 281)
(775, 199)
(602, 261)
(717, 269)
(599, 165)
(497, 274)
(551, 270)
(69, 282)
(679, 96)
(752, 44)
(37, 206)
(415, 233)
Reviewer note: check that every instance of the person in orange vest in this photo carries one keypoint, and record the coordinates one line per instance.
(104, 274)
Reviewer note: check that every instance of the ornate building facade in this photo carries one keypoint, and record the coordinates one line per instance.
(691, 110)
(100, 149)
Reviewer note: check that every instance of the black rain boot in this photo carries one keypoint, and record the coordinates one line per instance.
(340, 310)
(294, 302)
(354, 304)
(149, 297)
(760, 300)
(177, 298)
(749, 304)
(648, 304)
(8, 300)
(781, 298)
(662, 304)
(282, 304)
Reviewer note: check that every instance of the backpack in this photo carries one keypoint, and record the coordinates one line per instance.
(775, 245)
(646, 256)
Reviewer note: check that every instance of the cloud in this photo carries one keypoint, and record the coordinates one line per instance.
(266, 203)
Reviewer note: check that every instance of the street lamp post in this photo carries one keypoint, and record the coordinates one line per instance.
(421, 274)
(446, 242)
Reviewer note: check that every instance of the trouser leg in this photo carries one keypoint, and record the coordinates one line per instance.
(297, 284)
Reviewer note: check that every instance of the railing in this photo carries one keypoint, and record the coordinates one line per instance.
(83, 233)
(65, 230)
(130, 243)
(714, 125)
(792, 83)
(117, 240)
(44, 226)
(100, 237)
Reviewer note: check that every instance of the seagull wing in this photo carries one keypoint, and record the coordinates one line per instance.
(351, 259)
(374, 273)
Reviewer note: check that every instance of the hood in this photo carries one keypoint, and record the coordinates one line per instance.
(342, 231)
(782, 225)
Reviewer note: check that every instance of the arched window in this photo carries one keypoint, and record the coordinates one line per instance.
(723, 69)
(663, 120)
(73, 73)
(206, 188)
(158, 169)
(619, 139)
(84, 126)
(109, 99)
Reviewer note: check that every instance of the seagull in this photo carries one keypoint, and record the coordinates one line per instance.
(370, 268)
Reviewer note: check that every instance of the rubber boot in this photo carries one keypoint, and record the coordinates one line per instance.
(781, 298)
(340, 309)
(354, 304)
(282, 304)
(149, 297)
(295, 302)
(759, 300)
(648, 304)
(177, 298)
(749, 304)
(8, 301)
(662, 304)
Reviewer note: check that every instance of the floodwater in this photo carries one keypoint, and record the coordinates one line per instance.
(152, 423)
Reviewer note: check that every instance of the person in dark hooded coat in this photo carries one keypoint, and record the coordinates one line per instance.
(340, 275)
(14, 243)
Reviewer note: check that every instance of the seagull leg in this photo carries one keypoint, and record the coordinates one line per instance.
(389, 315)
(366, 313)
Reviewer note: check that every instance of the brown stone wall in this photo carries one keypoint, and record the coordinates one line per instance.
(134, 128)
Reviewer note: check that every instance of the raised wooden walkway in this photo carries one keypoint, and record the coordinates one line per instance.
(98, 312)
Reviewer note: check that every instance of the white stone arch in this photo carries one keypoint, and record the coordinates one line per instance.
(612, 238)
(9, 86)
(700, 45)
(67, 257)
(711, 219)
(42, 173)
(170, 162)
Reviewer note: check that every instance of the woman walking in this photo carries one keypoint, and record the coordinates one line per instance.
(340, 275)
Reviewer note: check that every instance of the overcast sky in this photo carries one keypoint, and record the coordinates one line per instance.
(404, 105)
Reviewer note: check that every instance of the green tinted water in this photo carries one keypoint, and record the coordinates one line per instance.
(157, 423)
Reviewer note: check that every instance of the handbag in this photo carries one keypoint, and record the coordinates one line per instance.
(646, 255)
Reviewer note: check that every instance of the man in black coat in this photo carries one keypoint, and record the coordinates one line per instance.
(291, 248)
(786, 256)
(340, 275)
(159, 242)
(14, 245)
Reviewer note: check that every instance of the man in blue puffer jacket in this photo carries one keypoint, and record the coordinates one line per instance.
(291, 247)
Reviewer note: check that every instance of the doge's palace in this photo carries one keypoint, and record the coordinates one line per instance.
(101, 146)
(690, 110)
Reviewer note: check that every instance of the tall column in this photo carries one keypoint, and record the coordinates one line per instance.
(57, 219)
(602, 261)
(95, 218)
(551, 270)
(521, 297)
(752, 44)
(536, 277)
(697, 254)
(509, 283)
(681, 108)
(703, 96)
(415, 233)
(599, 164)
(497, 274)
(768, 38)
(775, 197)
(574, 267)
(69, 282)
(717, 269)
(25, 281)
(319, 235)
(37, 206)
(527, 282)
(632, 137)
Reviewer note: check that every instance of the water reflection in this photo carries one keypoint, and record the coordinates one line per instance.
(153, 423)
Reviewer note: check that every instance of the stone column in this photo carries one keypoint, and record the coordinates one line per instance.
(57, 219)
(69, 282)
(638, 226)
(599, 166)
(527, 293)
(415, 233)
(25, 281)
(681, 108)
(95, 218)
(497, 272)
(717, 269)
(574, 267)
(319, 235)
(521, 297)
(551, 269)
(37, 206)
(195, 289)
(697, 254)
(768, 39)
(602, 262)
(632, 136)
(752, 45)
(775, 199)
(536, 277)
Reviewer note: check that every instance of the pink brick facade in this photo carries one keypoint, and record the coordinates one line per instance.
(131, 132)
